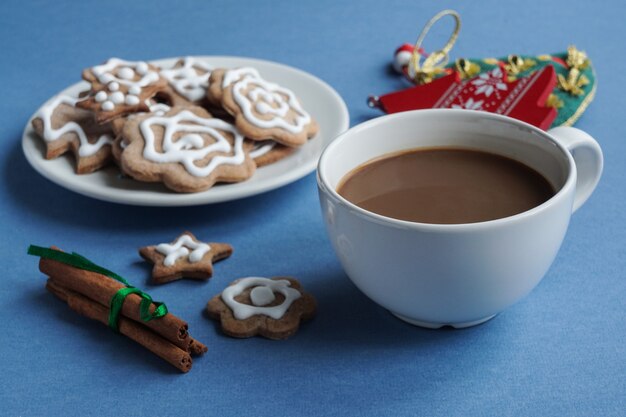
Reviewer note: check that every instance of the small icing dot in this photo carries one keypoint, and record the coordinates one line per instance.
(108, 105)
(101, 96)
(117, 97)
(262, 296)
(134, 89)
(106, 78)
(114, 86)
(141, 68)
(126, 73)
(263, 108)
(132, 100)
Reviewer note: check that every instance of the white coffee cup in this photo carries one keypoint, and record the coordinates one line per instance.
(461, 275)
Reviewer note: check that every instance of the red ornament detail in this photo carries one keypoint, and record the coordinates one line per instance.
(522, 99)
(406, 47)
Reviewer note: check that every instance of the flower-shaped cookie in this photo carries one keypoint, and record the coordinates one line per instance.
(262, 110)
(121, 87)
(64, 127)
(272, 308)
(185, 257)
(186, 149)
(188, 80)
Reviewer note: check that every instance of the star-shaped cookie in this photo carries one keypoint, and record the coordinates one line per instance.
(120, 87)
(185, 257)
(66, 128)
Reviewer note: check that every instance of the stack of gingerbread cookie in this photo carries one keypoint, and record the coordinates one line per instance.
(189, 126)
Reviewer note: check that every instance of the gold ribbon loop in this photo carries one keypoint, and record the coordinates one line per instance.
(434, 64)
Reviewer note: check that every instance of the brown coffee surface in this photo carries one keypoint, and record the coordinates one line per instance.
(445, 186)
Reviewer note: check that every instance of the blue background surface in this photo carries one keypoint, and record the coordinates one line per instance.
(560, 351)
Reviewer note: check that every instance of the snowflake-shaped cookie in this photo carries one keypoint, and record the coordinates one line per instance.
(262, 110)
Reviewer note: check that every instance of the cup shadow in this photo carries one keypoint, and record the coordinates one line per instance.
(348, 318)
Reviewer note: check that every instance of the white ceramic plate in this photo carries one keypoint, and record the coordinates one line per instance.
(317, 97)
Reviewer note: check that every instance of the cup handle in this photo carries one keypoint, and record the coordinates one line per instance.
(587, 156)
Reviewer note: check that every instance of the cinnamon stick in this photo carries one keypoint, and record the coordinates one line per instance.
(197, 348)
(130, 328)
(101, 289)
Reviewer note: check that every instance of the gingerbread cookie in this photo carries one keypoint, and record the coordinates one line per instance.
(272, 308)
(186, 149)
(64, 127)
(262, 110)
(155, 107)
(267, 152)
(188, 80)
(117, 147)
(121, 87)
(185, 257)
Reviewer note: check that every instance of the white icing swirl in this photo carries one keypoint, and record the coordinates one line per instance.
(261, 148)
(186, 80)
(50, 134)
(191, 147)
(180, 249)
(157, 108)
(255, 96)
(261, 298)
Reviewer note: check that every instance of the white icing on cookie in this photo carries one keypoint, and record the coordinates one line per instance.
(125, 76)
(142, 68)
(131, 100)
(117, 97)
(126, 73)
(261, 296)
(180, 249)
(157, 108)
(261, 148)
(243, 311)
(101, 96)
(50, 134)
(266, 99)
(191, 147)
(186, 80)
(108, 105)
(104, 73)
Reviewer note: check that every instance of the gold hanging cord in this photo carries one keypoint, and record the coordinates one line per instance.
(434, 64)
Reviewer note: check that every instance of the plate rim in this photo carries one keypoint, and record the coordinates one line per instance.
(128, 197)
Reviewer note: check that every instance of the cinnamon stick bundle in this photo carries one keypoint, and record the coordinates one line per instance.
(90, 293)
(101, 289)
(133, 330)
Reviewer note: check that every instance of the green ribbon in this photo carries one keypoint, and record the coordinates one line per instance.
(117, 301)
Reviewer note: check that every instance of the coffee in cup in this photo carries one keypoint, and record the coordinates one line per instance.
(445, 186)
